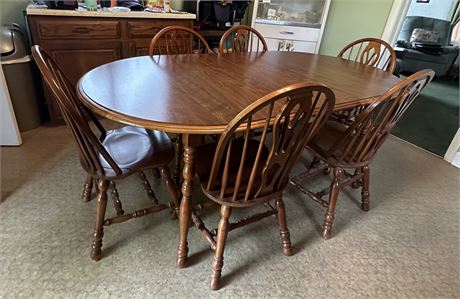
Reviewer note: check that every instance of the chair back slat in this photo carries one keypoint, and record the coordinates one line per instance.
(239, 176)
(177, 40)
(90, 147)
(291, 116)
(242, 39)
(372, 51)
(372, 126)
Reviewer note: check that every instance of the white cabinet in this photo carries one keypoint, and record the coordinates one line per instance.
(291, 25)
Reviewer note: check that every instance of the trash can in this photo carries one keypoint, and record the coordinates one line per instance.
(21, 77)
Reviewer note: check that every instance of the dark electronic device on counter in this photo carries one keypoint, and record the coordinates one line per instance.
(62, 4)
(134, 5)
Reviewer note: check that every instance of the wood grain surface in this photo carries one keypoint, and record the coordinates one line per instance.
(200, 94)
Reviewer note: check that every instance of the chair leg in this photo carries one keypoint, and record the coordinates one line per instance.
(284, 232)
(174, 197)
(365, 189)
(96, 250)
(148, 188)
(178, 160)
(116, 199)
(222, 232)
(87, 188)
(335, 188)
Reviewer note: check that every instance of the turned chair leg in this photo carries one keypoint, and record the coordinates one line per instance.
(96, 250)
(333, 195)
(116, 199)
(222, 232)
(365, 189)
(148, 188)
(284, 232)
(87, 188)
(174, 197)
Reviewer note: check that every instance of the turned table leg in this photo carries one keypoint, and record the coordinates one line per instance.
(185, 212)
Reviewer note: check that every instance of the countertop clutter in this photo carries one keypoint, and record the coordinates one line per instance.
(39, 11)
(82, 40)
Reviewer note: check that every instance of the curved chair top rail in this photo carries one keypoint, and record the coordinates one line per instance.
(176, 40)
(242, 38)
(371, 51)
(293, 114)
(359, 143)
(90, 147)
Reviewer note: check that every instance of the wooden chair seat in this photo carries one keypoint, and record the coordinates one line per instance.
(324, 145)
(134, 149)
(326, 137)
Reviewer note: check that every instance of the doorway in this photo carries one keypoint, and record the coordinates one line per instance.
(433, 119)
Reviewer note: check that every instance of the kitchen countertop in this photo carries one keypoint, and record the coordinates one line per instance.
(31, 11)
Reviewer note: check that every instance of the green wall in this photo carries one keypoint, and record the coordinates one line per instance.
(11, 11)
(349, 20)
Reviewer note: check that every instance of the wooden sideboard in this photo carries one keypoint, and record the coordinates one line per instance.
(79, 43)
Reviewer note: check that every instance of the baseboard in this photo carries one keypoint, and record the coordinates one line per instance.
(456, 160)
(454, 148)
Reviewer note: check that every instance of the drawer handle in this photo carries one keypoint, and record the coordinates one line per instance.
(286, 32)
(81, 30)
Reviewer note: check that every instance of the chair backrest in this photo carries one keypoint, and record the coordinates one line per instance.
(74, 113)
(366, 134)
(242, 39)
(371, 51)
(176, 40)
(293, 114)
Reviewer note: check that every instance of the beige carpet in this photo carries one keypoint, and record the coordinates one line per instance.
(406, 246)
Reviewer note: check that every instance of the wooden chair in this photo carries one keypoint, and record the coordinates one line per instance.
(353, 146)
(176, 40)
(247, 172)
(242, 39)
(371, 51)
(113, 155)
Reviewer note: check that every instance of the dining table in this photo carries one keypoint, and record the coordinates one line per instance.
(196, 95)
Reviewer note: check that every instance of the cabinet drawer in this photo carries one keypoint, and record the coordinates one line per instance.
(288, 32)
(150, 28)
(298, 46)
(60, 29)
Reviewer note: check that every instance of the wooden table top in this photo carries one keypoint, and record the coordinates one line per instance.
(200, 94)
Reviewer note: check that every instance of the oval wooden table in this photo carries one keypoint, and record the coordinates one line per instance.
(199, 94)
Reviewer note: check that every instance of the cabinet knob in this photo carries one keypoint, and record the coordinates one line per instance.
(287, 32)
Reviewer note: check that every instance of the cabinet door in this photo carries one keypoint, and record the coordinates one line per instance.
(77, 57)
(139, 47)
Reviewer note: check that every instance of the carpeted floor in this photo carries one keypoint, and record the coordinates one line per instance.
(433, 119)
(406, 246)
